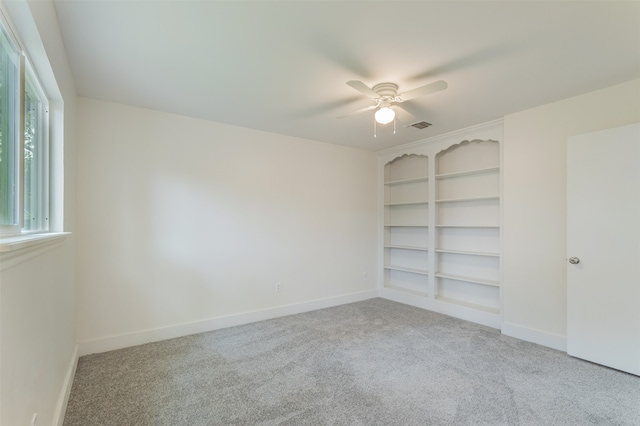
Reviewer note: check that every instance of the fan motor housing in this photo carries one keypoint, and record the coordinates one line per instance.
(389, 90)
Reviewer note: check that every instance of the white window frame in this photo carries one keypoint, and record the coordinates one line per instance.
(28, 77)
(16, 244)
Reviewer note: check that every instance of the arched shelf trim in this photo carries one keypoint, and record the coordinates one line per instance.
(462, 143)
(403, 156)
(406, 168)
(462, 156)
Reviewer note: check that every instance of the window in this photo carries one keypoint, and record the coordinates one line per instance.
(24, 141)
(36, 154)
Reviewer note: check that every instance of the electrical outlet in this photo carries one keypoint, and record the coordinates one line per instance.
(34, 419)
(278, 286)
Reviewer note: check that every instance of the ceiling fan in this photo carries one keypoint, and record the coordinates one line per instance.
(386, 97)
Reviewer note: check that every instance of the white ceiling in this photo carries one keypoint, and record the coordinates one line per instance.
(281, 66)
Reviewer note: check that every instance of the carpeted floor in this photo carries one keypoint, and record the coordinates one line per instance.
(375, 362)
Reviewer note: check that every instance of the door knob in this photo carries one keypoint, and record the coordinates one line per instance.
(574, 260)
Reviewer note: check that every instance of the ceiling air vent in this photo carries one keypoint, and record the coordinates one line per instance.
(420, 125)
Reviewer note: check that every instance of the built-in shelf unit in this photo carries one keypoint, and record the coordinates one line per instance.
(406, 230)
(440, 244)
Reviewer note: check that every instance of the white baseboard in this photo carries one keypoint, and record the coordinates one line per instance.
(154, 335)
(63, 400)
(405, 298)
(543, 338)
(452, 310)
(490, 320)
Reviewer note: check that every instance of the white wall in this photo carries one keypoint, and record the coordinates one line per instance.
(182, 221)
(534, 216)
(37, 296)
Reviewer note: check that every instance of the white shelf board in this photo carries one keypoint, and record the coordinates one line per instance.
(468, 172)
(468, 226)
(469, 305)
(465, 199)
(404, 269)
(406, 290)
(391, 246)
(405, 226)
(491, 283)
(470, 253)
(406, 203)
(410, 180)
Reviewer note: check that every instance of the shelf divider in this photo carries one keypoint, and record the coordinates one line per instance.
(405, 226)
(468, 172)
(392, 246)
(491, 283)
(470, 253)
(406, 203)
(468, 226)
(468, 305)
(410, 180)
(465, 199)
(405, 269)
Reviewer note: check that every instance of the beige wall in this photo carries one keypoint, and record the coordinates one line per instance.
(183, 221)
(37, 296)
(534, 216)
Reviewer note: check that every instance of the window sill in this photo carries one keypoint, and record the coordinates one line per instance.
(17, 249)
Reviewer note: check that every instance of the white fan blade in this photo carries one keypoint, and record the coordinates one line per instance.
(369, 108)
(402, 115)
(414, 110)
(424, 90)
(363, 88)
(406, 110)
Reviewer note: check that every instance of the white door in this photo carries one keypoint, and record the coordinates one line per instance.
(603, 237)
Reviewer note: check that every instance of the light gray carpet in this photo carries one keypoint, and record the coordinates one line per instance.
(375, 362)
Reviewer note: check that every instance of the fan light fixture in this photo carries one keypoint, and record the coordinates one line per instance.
(385, 115)
(385, 96)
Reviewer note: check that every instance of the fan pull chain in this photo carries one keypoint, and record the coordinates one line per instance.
(375, 128)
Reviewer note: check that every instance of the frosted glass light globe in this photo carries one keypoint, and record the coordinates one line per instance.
(385, 115)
